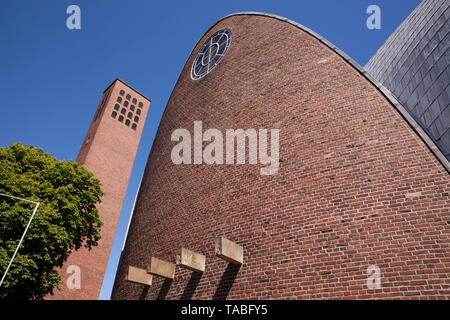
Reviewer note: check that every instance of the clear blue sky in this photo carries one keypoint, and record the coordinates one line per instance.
(51, 78)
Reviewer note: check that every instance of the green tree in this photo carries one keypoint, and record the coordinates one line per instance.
(66, 220)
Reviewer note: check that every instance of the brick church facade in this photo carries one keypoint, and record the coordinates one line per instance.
(359, 182)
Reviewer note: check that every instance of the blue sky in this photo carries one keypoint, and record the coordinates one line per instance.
(52, 78)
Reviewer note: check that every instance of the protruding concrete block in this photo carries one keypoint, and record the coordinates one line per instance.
(161, 268)
(191, 260)
(138, 275)
(229, 251)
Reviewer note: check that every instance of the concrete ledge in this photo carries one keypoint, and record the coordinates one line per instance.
(139, 276)
(229, 251)
(191, 260)
(161, 268)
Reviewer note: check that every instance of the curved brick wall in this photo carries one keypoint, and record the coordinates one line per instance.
(413, 65)
(357, 185)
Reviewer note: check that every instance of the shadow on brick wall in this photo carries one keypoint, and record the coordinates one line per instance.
(226, 282)
(164, 289)
(191, 286)
(144, 293)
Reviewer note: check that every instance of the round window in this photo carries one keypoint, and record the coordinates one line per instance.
(211, 53)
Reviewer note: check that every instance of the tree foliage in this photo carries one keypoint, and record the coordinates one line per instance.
(66, 220)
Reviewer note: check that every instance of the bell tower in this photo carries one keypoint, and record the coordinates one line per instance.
(108, 150)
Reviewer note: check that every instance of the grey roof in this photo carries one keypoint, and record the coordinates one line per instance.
(413, 65)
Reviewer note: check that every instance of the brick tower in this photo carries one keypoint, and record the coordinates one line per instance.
(108, 150)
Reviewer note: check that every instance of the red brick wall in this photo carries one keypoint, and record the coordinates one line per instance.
(109, 154)
(356, 186)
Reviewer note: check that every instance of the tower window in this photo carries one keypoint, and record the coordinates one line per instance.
(114, 114)
(138, 111)
(119, 99)
(116, 107)
(125, 103)
(102, 104)
(123, 111)
(132, 107)
(136, 119)
(133, 126)
(128, 96)
(130, 115)
(122, 92)
(121, 118)
(140, 105)
(127, 123)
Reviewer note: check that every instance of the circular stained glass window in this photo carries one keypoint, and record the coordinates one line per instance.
(211, 53)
